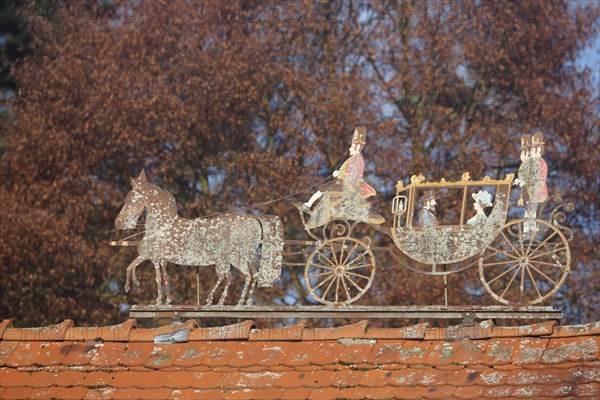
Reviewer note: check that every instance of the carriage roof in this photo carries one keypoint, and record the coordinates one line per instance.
(419, 183)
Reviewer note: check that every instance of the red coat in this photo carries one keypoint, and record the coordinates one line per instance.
(351, 173)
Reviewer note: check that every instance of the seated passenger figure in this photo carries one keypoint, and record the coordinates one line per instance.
(427, 213)
(482, 200)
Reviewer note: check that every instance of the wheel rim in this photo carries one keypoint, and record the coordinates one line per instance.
(340, 271)
(521, 267)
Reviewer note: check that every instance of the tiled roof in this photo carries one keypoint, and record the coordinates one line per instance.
(242, 361)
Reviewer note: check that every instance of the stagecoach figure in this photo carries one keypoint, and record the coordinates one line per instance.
(427, 216)
(532, 178)
(348, 187)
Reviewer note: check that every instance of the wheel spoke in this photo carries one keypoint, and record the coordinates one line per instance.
(341, 255)
(350, 253)
(333, 254)
(503, 252)
(509, 283)
(322, 266)
(509, 243)
(534, 284)
(337, 288)
(545, 253)
(321, 254)
(324, 281)
(543, 274)
(520, 239)
(354, 284)
(317, 275)
(358, 275)
(348, 296)
(328, 287)
(543, 243)
(556, 264)
(364, 253)
(522, 285)
(358, 266)
(502, 274)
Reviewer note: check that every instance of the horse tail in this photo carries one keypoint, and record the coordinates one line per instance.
(271, 259)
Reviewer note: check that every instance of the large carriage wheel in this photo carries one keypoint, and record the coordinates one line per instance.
(339, 271)
(521, 267)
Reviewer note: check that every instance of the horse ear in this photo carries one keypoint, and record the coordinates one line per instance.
(142, 176)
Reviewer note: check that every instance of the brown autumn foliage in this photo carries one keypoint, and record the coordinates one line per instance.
(227, 106)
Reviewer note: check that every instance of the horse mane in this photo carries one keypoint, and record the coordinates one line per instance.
(165, 198)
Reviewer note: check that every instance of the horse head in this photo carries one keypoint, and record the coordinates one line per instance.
(134, 204)
(144, 195)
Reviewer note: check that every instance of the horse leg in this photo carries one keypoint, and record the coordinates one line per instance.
(165, 277)
(220, 278)
(159, 295)
(227, 283)
(254, 278)
(131, 272)
(243, 268)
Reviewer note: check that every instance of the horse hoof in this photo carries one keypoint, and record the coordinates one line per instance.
(249, 303)
(168, 302)
(127, 287)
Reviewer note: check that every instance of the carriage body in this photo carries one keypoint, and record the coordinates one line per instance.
(445, 244)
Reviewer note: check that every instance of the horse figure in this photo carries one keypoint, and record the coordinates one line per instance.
(225, 240)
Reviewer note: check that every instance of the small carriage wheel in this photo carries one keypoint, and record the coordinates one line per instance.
(521, 267)
(339, 271)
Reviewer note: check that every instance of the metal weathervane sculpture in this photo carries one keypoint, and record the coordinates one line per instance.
(521, 262)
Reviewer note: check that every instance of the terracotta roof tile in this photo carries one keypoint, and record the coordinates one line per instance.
(180, 379)
(134, 354)
(271, 353)
(6, 350)
(16, 393)
(46, 393)
(500, 351)
(41, 379)
(126, 379)
(3, 325)
(79, 354)
(356, 330)
(152, 380)
(71, 393)
(114, 333)
(14, 378)
(529, 351)
(108, 355)
(44, 333)
(570, 349)
(296, 393)
(543, 360)
(191, 354)
(407, 332)
(207, 380)
(287, 333)
(470, 352)
(239, 331)
(162, 356)
(99, 394)
(413, 352)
